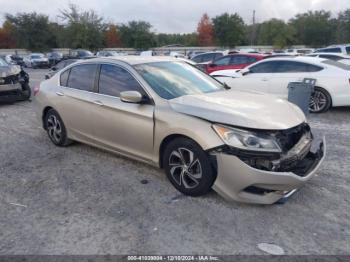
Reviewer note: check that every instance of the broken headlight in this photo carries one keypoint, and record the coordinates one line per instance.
(246, 140)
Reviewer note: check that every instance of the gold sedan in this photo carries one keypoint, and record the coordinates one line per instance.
(247, 146)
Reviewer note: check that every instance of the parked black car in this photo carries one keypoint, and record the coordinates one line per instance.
(54, 57)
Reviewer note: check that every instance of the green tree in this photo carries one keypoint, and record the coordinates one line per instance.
(137, 34)
(343, 27)
(32, 31)
(275, 32)
(314, 28)
(83, 29)
(229, 29)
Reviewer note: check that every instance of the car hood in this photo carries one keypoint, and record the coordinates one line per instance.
(9, 70)
(241, 108)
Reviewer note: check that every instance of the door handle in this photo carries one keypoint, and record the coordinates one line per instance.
(99, 103)
(59, 94)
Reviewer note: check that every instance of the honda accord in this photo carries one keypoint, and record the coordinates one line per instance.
(247, 146)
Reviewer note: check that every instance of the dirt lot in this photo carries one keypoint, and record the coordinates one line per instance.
(81, 200)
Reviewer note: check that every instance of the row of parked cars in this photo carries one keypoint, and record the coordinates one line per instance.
(271, 73)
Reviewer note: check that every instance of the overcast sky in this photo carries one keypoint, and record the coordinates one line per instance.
(175, 16)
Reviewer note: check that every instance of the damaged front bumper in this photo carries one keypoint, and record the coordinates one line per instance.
(236, 180)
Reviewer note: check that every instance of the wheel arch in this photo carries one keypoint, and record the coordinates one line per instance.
(166, 140)
(46, 109)
(326, 90)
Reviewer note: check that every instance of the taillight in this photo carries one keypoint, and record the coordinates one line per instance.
(36, 89)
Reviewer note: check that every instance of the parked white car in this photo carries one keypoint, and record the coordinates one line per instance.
(343, 49)
(273, 75)
(36, 60)
(299, 51)
(331, 56)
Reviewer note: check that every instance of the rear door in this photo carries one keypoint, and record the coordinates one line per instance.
(74, 99)
(241, 61)
(289, 71)
(121, 126)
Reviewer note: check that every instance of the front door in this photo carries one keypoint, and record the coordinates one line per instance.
(124, 127)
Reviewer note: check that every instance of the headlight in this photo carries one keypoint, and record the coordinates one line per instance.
(246, 140)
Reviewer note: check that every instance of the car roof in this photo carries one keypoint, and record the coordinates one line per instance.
(135, 60)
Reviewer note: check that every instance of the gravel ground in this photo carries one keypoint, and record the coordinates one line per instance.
(81, 200)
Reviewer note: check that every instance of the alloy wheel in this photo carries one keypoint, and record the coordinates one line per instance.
(54, 128)
(185, 168)
(318, 101)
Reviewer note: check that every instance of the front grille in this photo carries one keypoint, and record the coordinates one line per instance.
(289, 137)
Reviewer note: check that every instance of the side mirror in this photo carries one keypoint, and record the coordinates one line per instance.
(245, 71)
(131, 97)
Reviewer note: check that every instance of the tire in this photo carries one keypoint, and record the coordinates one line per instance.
(56, 129)
(320, 101)
(193, 178)
(26, 92)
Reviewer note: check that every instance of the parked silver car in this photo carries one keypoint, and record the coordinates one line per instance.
(247, 146)
(14, 83)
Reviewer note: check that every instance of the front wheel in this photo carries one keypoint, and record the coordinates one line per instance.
(56, 129)
(188, 167)
(320, 101)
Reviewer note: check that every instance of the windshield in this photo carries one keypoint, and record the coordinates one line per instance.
(3, 62)
(174, 79)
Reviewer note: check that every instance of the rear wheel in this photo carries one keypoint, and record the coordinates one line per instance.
(56, 129)
(320, 101)
(188, 167)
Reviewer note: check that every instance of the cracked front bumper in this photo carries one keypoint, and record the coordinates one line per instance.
(234, 177)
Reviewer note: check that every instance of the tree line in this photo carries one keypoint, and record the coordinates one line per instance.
(86, 29)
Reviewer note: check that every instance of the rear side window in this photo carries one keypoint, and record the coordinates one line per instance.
(114, 79)
(223, 61)
(240, 59)
(294, 67)
(265, 67)
(331, 50)
(64, 78)
(82, 77)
